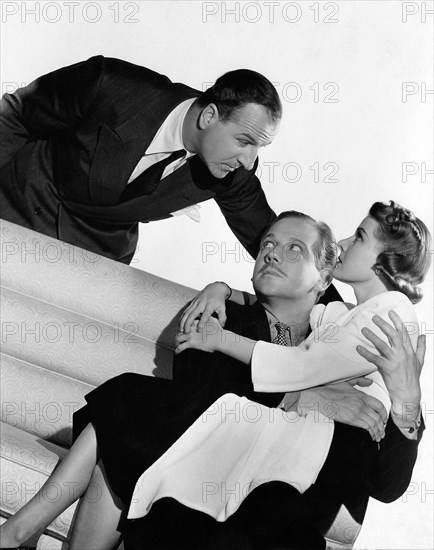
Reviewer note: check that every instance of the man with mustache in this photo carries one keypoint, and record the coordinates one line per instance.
(287, 286)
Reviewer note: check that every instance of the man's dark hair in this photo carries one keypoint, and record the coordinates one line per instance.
(236, 89)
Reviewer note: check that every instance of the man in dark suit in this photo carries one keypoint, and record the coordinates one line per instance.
(90, 150)
(267, 518)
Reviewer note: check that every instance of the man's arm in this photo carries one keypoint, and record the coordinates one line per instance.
(342, 403)
(245, 207)
(400, 367)
(49, 106)
(397, 454)
(393, 469)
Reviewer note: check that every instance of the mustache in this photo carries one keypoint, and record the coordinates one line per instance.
(272, 269)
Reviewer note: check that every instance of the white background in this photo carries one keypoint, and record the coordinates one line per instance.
(341, 69)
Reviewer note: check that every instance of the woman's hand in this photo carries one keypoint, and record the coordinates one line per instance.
(212, 299)
(208, 338)
(399, 365)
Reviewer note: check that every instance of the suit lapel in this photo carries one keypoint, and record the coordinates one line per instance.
(257, 327)
(122, 143)
(110, 162)
(175, 192)
(253, 322)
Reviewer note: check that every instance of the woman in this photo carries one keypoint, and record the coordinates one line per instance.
(84, 465)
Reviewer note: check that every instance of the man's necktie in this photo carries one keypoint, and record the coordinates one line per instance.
(281, 339)
(148, 180)
(291, 398)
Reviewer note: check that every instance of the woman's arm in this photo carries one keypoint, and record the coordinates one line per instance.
(212, 299)
(213, 337)
(329, 354)
(277, 368)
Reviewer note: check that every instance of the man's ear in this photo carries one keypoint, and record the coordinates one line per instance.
(325, 277)
(208, 116)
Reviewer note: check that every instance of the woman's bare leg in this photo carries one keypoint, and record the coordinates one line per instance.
(66, 484)
(96, 523)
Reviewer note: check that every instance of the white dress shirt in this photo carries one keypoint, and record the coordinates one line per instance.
(167, 140)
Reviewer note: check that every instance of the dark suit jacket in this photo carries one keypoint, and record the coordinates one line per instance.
(71, 139)
(259, 514)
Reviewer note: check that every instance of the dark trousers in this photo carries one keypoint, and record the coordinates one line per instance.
(273, 517)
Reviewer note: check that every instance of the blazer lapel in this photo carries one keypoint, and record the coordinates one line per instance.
(108, 168)
(259, 317)
(174, 192)
(121, 144)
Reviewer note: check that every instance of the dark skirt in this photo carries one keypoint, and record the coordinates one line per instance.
(136, 419)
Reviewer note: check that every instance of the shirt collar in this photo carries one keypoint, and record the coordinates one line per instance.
(297, 331)
(169, 135)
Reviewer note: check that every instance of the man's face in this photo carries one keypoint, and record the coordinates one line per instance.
(225, 146)
(285, 266)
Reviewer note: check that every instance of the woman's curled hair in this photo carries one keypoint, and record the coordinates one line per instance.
(405, 260)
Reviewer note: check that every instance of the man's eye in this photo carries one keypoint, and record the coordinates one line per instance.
(295, 247)
(243, 142)
(267, 244)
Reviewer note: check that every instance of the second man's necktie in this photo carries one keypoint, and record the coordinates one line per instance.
(148, 181)
(281, 338)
